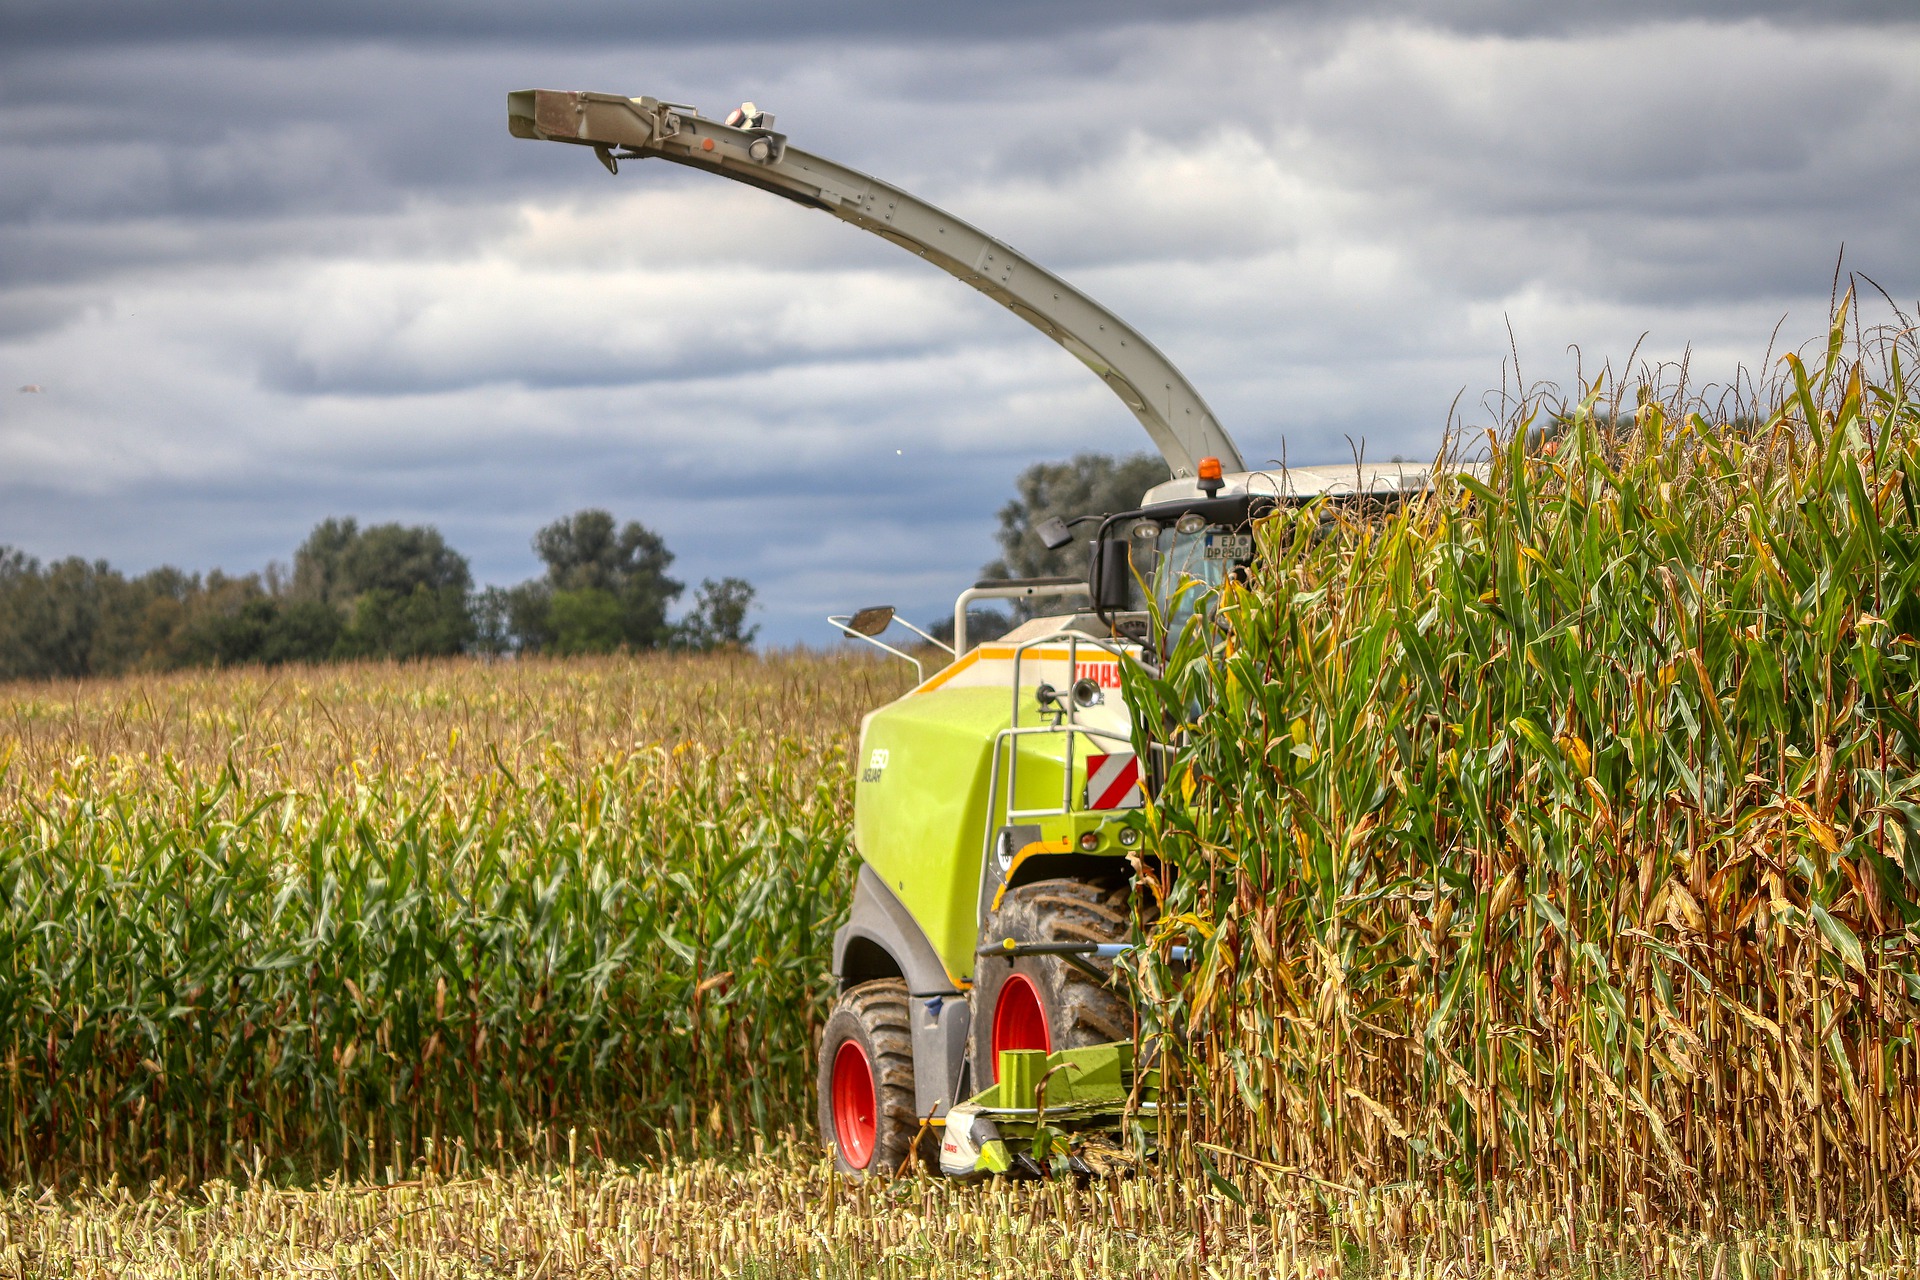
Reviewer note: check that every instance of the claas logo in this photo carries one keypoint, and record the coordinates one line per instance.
(1104, 674)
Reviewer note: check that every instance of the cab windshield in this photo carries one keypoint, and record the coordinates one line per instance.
(1182, 563)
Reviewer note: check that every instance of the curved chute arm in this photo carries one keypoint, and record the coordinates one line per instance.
(746, 149)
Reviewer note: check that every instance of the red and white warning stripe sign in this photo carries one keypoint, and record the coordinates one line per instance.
(1113, 781)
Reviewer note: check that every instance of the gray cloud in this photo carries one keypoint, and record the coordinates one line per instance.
(273, 266)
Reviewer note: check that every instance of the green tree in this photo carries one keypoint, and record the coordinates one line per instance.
(388, 590)
(399, 590)
(403, 559)
(592, 560)
(492, 609)
(71, 618)
(236, 636)
(223, 622)
(718, 617)
(301, 631)
(1091, 484)
(319, 566)
(165, 600)
(585, 621)
(421, 623)
(68, 618)
(24, 614)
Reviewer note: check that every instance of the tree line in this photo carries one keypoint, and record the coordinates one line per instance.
(379, 591)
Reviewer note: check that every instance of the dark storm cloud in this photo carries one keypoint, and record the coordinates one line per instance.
(95, 22)
(99, 21)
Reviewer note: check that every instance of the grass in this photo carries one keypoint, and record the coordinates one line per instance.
(333, 918)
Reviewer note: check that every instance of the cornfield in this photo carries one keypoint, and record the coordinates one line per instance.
(1561, 830)
(331, 919)
(1548, 852)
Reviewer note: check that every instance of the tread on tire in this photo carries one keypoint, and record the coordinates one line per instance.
(878, 1016)
(1079, 1010)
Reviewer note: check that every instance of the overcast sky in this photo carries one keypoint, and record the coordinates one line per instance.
(270, 263)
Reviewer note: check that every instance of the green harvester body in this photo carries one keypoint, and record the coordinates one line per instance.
(921, 816)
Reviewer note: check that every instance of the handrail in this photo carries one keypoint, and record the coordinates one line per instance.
(1069, 725)
(993, 828)
(1009, 737)
(1066, 786)
(1008, 589)
(1071, 719)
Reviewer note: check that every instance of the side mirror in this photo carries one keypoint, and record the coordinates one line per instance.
(1054, 533)
(1112, 576)
(871, 622)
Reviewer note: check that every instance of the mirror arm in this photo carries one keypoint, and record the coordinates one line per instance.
(1066, 530)
(924, 636)
(918, 671)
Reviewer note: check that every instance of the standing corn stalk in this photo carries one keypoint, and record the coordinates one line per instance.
(1556, 827)
(348, 918)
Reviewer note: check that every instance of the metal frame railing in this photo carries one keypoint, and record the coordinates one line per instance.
(1006, 741)
(1008, 589)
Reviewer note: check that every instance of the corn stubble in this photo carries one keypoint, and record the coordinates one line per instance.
(1561, 831)
(785, 1213)
(330, 919)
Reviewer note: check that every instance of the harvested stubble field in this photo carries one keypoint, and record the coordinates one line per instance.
(783, 1214)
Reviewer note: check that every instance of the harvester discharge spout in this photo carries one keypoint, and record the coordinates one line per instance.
(745, 148)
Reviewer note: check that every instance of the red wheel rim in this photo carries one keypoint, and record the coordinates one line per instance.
(1019, 1019)
(853, 1108)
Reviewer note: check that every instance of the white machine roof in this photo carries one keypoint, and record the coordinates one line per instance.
(1309, 482)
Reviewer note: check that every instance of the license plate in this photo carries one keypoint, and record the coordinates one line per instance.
(1230, 546)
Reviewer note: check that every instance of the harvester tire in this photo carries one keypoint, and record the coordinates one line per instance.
(866, 1082)
(1035, 1002)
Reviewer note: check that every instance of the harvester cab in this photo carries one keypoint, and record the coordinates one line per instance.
(992, 801)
